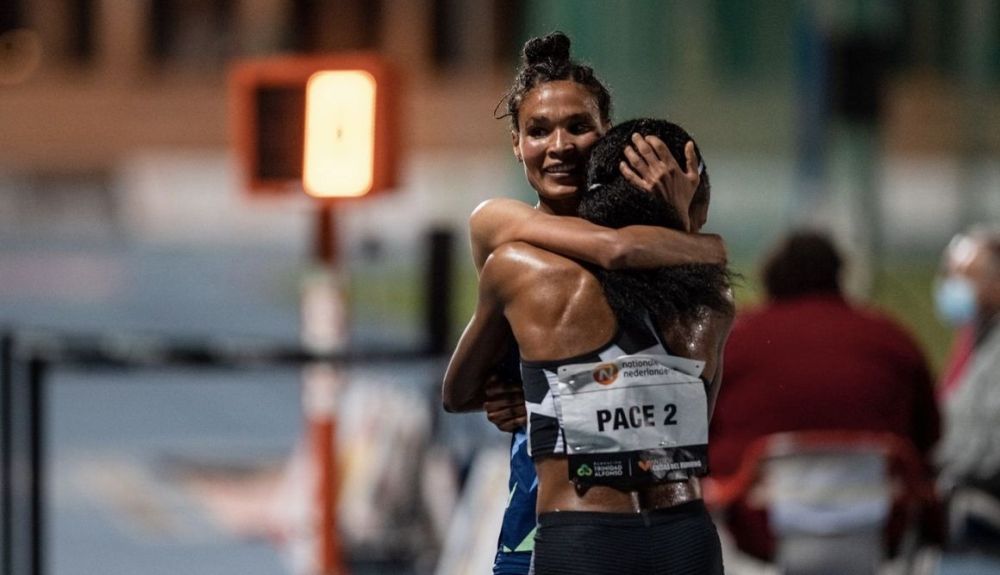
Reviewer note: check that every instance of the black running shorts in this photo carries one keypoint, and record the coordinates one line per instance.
(680, 540)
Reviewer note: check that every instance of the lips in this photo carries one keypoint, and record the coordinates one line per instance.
(563, 170)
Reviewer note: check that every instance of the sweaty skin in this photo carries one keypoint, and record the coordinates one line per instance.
(557, 309)
(502, 220)
(558, 124)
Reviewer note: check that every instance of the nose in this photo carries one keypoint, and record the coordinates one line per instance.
(563, 142)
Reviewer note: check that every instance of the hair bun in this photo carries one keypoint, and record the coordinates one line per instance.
(552, 47)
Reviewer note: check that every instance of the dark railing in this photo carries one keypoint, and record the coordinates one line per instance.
(26, 357)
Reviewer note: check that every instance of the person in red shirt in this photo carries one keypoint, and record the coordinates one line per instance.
(808, 359)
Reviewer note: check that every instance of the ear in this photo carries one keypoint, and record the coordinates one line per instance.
(698, 215)
(513, 143)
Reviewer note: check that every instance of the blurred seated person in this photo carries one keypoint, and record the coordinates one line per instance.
(808, 359)
(967, 295)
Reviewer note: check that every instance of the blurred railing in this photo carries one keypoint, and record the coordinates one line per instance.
(28, 356)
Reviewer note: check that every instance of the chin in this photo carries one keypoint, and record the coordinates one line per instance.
(560, 193)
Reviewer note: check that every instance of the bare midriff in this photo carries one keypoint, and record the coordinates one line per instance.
(557, 493)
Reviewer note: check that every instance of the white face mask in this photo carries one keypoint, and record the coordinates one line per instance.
(955, 300)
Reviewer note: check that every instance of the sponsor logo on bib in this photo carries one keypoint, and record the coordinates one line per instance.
(605, 373)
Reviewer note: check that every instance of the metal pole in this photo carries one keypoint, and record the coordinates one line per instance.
(6, 459)
(324, 326)
(19, 469)
(24, 470)
(37, 484)
(438, 286)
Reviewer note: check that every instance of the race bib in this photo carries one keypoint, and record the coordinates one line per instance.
(635, 420)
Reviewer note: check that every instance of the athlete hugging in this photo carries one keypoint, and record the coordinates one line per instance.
(596, 346)
(609, 268)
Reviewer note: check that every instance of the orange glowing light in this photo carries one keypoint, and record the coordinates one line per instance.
(339, 158)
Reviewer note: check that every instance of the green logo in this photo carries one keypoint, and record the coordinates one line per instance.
(584, 471)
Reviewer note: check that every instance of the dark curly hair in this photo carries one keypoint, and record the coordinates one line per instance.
(546, 59)
(677, 292)
(610, 151)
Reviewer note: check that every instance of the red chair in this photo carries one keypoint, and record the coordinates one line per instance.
(831, 501)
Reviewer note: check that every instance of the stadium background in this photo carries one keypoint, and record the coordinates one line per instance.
(121, 208)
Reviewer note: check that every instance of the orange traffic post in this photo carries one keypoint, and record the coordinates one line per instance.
(325, 325)
(324, 124)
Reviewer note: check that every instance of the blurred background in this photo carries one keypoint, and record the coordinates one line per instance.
(122, 210)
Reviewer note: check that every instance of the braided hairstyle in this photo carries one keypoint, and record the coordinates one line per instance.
(546, 59)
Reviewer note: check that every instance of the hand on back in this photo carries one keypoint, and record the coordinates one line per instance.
(504, 404)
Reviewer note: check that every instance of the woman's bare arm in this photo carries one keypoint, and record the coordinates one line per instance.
(501, 220)
(480, 348)
(495, 222)
(650, 167)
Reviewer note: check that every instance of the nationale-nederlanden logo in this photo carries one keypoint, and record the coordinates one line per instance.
(605, 373)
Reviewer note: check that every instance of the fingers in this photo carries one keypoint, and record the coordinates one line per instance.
(643, 168)
(502, 403)
(693, 172)
(516, 423)
(506, 415)
(512, 406)
(633, 178)
(660, 149)
(691, 157)
(635, 159)
(502, 389)
(510, 425)
(643, 147)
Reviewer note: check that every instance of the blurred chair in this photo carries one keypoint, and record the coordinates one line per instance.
(973, 519)
(829, 497)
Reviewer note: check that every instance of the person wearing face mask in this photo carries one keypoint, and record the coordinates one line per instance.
(967, 295)
(809, 359)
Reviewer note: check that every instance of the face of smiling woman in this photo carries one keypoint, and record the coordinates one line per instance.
(558, 123)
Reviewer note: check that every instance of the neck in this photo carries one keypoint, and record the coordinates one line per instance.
(567, 207)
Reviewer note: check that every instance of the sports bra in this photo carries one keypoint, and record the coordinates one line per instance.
(545, 436)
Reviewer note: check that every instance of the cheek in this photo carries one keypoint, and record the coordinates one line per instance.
(587, 142)
(532, 153)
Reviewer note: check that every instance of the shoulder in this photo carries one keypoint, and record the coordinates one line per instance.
(496, 211)
(729, 301)
(876, 319)
(889, 328)
(514, 266)
(723, 317)
(525, 258)
(500, 205)
(748, 318)
(533, 284)
(492, 223)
